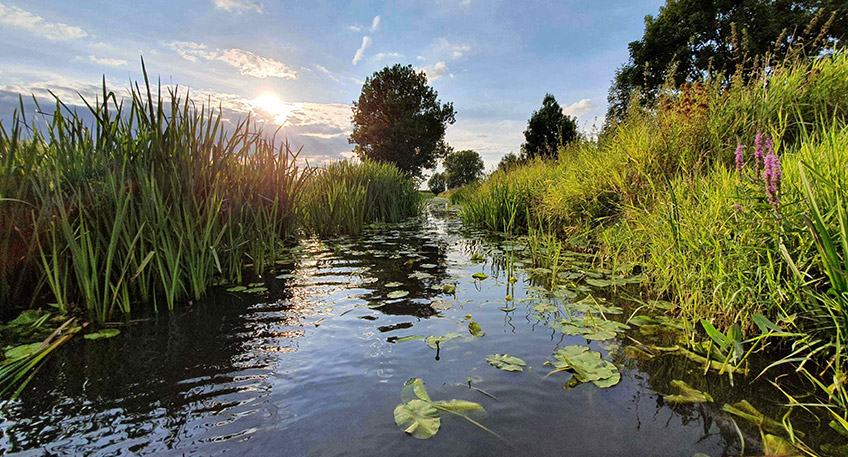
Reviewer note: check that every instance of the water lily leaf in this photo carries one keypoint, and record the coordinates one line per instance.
(594, 334)
(26, 317)
(448, 288)
(688, 394)
(393, 284)
(398, 294)
(434, 341)
(237, 289)
(480, 276)
(256, 284)
(441, 305)
(21, 351)
(587, 365)
(506, 309)
(412, 389)
(598, 282)
(286, 276)
(569, 328)
(475, 329)
(105, 333)
(418, 418)
(428, 266)
(506, 362)
(409, 338)
(775, 445)
(544, 307)
(256, 290)
(458, 406)
(421, 275)
(608, 382)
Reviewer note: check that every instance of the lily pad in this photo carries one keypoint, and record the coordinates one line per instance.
(449, 288)
(441, 305)
(26, 317)
(428, 266)
(393, 284)
(434, 341)
(237, 289)
(587, 365)
(475, 330)
(507, 309)
(506, 362)
(21, 351)
(479, 276)
(398, 294)
(104, 333)
(256, 284)
(256, 290)
(418, 418)
(286, 276)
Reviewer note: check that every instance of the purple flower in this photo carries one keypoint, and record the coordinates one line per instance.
(772, 174)
(758, 152)
(737, 207)
(740, 160)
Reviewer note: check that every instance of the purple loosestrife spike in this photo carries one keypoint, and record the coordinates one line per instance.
(772, 175)
(740, 159)
(758, 152)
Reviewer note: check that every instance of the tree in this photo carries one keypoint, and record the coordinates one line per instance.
(509, 161)
(696, 38)
(436, 183)
(547, 129)
(462, 167)
(398, 119)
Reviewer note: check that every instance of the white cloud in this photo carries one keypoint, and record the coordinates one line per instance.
(322, 69)
(366, 41)
(444, 49)
(354, 28)
(436, 71)
(246, 62)
(578, 109)
(389, 55)
(375, 23)
(239, 5)
(12, 16)
(103, 61)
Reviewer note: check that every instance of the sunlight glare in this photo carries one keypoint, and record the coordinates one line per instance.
(271, 104)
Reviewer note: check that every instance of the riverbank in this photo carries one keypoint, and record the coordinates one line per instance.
(730, 200)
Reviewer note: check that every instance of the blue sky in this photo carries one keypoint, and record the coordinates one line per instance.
(303, 63)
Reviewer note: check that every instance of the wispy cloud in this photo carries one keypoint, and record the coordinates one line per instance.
(387, 55)
(239, 5)
(354, 28)
(366, 41)
(322, 69)
(375, 23)
(579, 109)
(444, 49)
(246, 62)
(103, 61)
(14, 17)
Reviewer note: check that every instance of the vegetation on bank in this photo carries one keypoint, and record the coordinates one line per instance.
(730, 198)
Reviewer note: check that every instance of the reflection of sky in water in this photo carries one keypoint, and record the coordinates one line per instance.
(308, 368)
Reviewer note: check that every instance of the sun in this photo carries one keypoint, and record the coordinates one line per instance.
(271, 104)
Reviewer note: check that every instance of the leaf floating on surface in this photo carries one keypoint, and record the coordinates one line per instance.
(105, 333)
(256, 290)
(587, 365)
(21, 351)
(398, 294)
(418, 415)
(237, 289)
(479, 276)
(506, 362)
(449, 288)
(507, 310)
(475, 330)
(286, 276)
(441, 305)
(434, 341)
(688, 394)
(428, 265)
(393, 284)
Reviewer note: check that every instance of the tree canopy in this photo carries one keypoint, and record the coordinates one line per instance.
(695, 38)
(398, 118)
(462, 167)
(509, 162)
(547, 129)
(436, 184)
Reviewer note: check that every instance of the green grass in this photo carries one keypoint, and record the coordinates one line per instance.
(346, 196)
(661, 190)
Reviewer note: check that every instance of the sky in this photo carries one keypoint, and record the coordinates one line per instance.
(301, 64)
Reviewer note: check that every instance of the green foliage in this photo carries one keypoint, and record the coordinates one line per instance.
(462, 167)
(509, 161)
(689, 39)
(436, 183)
(152, 204)
(547, 129)
(346, 196)
(398, 119)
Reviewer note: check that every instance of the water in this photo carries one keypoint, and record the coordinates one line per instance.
(309, 369)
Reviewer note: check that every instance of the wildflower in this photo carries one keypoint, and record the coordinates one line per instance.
(737, 207)
(758, 152)
(772, 174)
(740, 160)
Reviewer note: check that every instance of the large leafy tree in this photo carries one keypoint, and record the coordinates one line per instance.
(398, 118)
(547, 129)
(436, 184)
(462, 167)
(695, 38)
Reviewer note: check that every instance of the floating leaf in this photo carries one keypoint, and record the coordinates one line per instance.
(21, 351)
(448, 288)
(393, 284)
(434, 341)
(418, 418)
(409, 338)
(256, 290)
(421, 275)
(688, 394)
(441, 305)
(428, 265)
(479, 276)
(26, 317)
(256, 284)
(398, 294)
(775, 445)
(598, 282)
(507, 310)
(105, 333)
(544, 307)
(587, 365)
(475, 329)
(286, 276)
(506, 362)
(237, 289)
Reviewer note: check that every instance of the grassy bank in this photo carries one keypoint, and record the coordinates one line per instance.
(724, 236)
(155, 200)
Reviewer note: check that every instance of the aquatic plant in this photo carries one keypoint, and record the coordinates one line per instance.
(419, 416)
